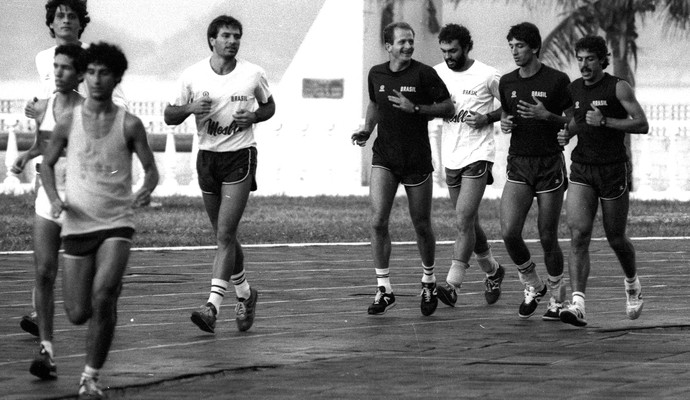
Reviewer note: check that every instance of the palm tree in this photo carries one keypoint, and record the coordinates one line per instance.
(619, 21)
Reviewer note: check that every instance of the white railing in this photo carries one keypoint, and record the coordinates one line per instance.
(304, 158)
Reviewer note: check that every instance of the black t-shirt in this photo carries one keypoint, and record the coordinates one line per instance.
(598, 144)
(534, 137)
(403, 138)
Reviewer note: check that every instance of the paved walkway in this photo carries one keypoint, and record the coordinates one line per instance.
(313, 339)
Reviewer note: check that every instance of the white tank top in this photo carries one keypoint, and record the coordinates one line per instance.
(48, 125)
(98, 190)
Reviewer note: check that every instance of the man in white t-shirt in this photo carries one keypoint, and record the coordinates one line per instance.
(468, 151)
(66, 21)
(227, 96)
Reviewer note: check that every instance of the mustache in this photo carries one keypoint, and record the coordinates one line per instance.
(585, 69)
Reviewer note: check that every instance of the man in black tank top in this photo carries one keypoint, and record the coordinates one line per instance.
(605, 109)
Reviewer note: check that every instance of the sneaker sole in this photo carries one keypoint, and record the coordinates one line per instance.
(572, 319)
(635, 314)
(29, 327)
(198, 321)
(446, 300)
(550, 318)
(384, 310)
(39, 370)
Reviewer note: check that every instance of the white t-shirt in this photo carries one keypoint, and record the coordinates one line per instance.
(243, 88)
(471, 90)
(46, 74)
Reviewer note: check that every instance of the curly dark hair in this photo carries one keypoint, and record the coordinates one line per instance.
(457, 32)
(78, 6)
(109, 55)
(596, 45)
(76, 53)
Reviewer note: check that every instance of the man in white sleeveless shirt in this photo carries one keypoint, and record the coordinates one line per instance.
(98, 203)
(69, 69)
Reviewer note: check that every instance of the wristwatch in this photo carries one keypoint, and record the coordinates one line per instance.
(416, 109)
(602, 122)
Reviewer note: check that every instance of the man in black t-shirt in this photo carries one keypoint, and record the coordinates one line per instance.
(403, 95)
(534, 98)
(605, 108)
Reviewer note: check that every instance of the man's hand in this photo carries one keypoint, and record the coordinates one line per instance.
(141, 198)
(56, 207)
(507, 124)
(401, 102)
(536, 111)
(360, 138)
(244, 118)
(476, 120)
(594, 116)
(201, 107)
(564, 136)
(19, 164)
(30, 110)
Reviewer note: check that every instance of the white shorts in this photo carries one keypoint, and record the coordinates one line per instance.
(43, 207)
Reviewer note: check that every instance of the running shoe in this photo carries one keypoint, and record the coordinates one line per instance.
(382, 302)
(634, 303)
(553, 311)
(43, 365)
(88, 388)
(493, 285)
(447, 295)
(205, 318)
(244, 311)
(572, 314)
(29, 323)
(429, 298)
(531, 301)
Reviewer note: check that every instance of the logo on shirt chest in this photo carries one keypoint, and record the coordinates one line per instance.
(239, 98)
(469, 92)
(537, 93)
(411, 89)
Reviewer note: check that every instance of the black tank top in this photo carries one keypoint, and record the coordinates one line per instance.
(597, 144)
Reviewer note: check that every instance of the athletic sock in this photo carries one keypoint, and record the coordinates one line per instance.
(218, 288)
(579, 300)
(90, 372)
(456, 273)
(383, 278)
(487, 262)
(528, 275)
(241, 285)
(632, 283)
(556, 287)
(428, 276)
(48, 345)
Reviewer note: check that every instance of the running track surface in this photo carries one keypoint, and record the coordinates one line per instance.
(312, 337)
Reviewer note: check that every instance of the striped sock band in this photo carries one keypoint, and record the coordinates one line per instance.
(428, 276)
(241, 285)
(218, 288)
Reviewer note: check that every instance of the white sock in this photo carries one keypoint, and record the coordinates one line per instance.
(48, 345)
(557, 287)
(241, 285)
(428, 276)
(383, 278)
(218, 288)
(487, 262)
(528, 275)
(90, 372)
(456, 273)
(579, 300)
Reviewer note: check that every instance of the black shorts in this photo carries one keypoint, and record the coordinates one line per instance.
(409, 179)
(216, 169)
(475, 170)
(88, 243)
(542, 173)
(609, 181)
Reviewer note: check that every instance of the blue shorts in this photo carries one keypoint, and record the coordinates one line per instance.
(475, 170)
(542, 173)
(216, 169)
(609, 181)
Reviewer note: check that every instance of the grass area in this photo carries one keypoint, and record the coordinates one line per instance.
(182, 221)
